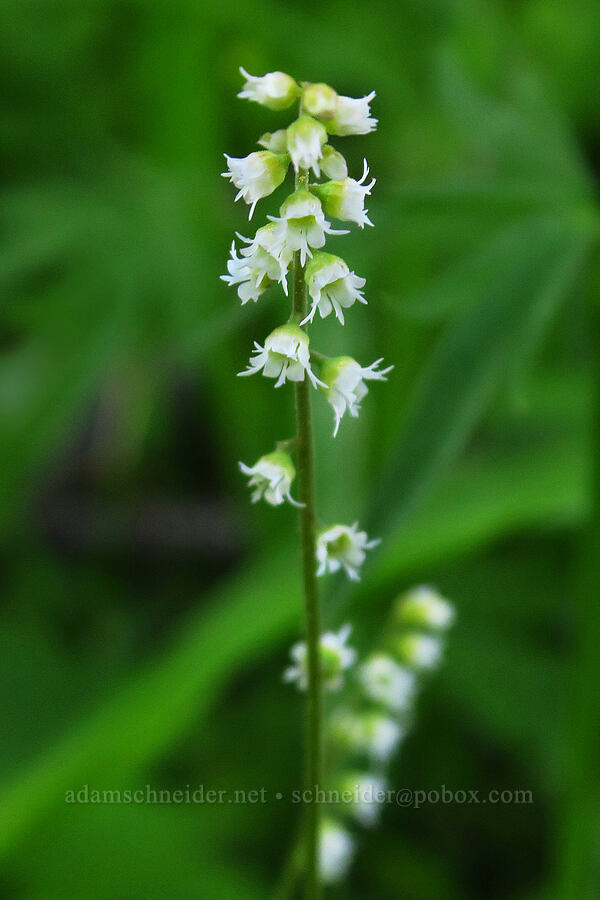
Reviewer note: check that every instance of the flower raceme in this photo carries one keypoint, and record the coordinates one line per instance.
(345, 385)
(285, 356)
(343, 547)
(271, 478)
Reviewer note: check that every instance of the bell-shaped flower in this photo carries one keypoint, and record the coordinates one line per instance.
(352, 116)
(257, 175)
(345, 199)
(319, 100)
(332, 286)
(261, 264)
(372, 733)
(335, 657)
(276, 90)
(336, 851)
(423, 606)
(285, 356)
(275, 141)
(343, 547)
(271, 478)
(305, 140)
(368, 793)
(333, 164)
(387, 683)
(302, 224)
(346, 388)
(420, 651)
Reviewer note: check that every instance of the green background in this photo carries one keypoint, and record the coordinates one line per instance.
(147, 609)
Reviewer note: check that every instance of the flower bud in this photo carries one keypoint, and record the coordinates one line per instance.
(319, 100)
(336, 849)
(275, 141)
(420, 651)
(333, 164)
(368, 794)
(305, 138)
(385, 682)
(276, 90)
(424, 607)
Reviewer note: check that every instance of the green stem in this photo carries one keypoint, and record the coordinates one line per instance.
(306, 493)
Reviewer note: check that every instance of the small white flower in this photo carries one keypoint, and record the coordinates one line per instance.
(305, 139)
(271, 477)
(368, 796)
(302, 224)
(319, 100)
(336, 850)
(421, 651)
(257, 175)
(285, 355)
(346, 199)
(261, 264)
(374, 734)
(426, 607)
(333, 164)
(352, 116)
(384, 681)
(275, 141)
(345, 384)
(335, 657)
(332, 286)
(276, 90)
(343, 546)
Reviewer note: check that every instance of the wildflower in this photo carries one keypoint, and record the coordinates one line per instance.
(276, 90)
(345, 199)
(276, 141)
(271, 477)
(285, 355)
(384, 681)
(305, 139)
(421, 651)
(332, 286)
(352, 116)
(368, 794)
(261, 264)
(302, 224)
(335, 658)
(343, 546)
(373, 733)
(256, 175)
(424, 606)
(336, 850)
(333, 163)
(345, 384)
(320, 101)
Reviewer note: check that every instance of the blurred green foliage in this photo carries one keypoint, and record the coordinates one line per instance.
(147, 611)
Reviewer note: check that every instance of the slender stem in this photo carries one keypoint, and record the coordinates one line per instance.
(306, 492)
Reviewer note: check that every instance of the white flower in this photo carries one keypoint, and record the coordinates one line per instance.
(275, 141)
(271, 477)
(319, 100)
(426, 607)
(275, 89)
(373, 733)
(336, 850)
(368, 795)
(422, 651)
(332, 286)
(256, 175)
(285, 355)
(261, 264)
(305, 139)
(302, 224)
(343, 546)
(345, 384)
(333, 164)
(335, 658)
(345, 199)
(352, 116)
(384, 681)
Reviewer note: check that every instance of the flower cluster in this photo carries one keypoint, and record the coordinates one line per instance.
(296, 238)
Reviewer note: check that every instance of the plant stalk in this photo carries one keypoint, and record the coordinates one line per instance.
(307, 516)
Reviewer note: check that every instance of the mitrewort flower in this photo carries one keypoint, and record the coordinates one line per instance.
(261, 264)
(345, 384)
(333, 163)
(421, 651)
(343, 546)
(345, 199)
(256, 175)
(275, 141)
(387, 683)
(375, 734)
(271, 478)
(275, 89)
(319, 100)
(368, 793)
(335, 657)
(425, 607)
(352, 116)
(305, 140)
(302, 224)
(332, 286)
(336, 850)
(285, 355)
